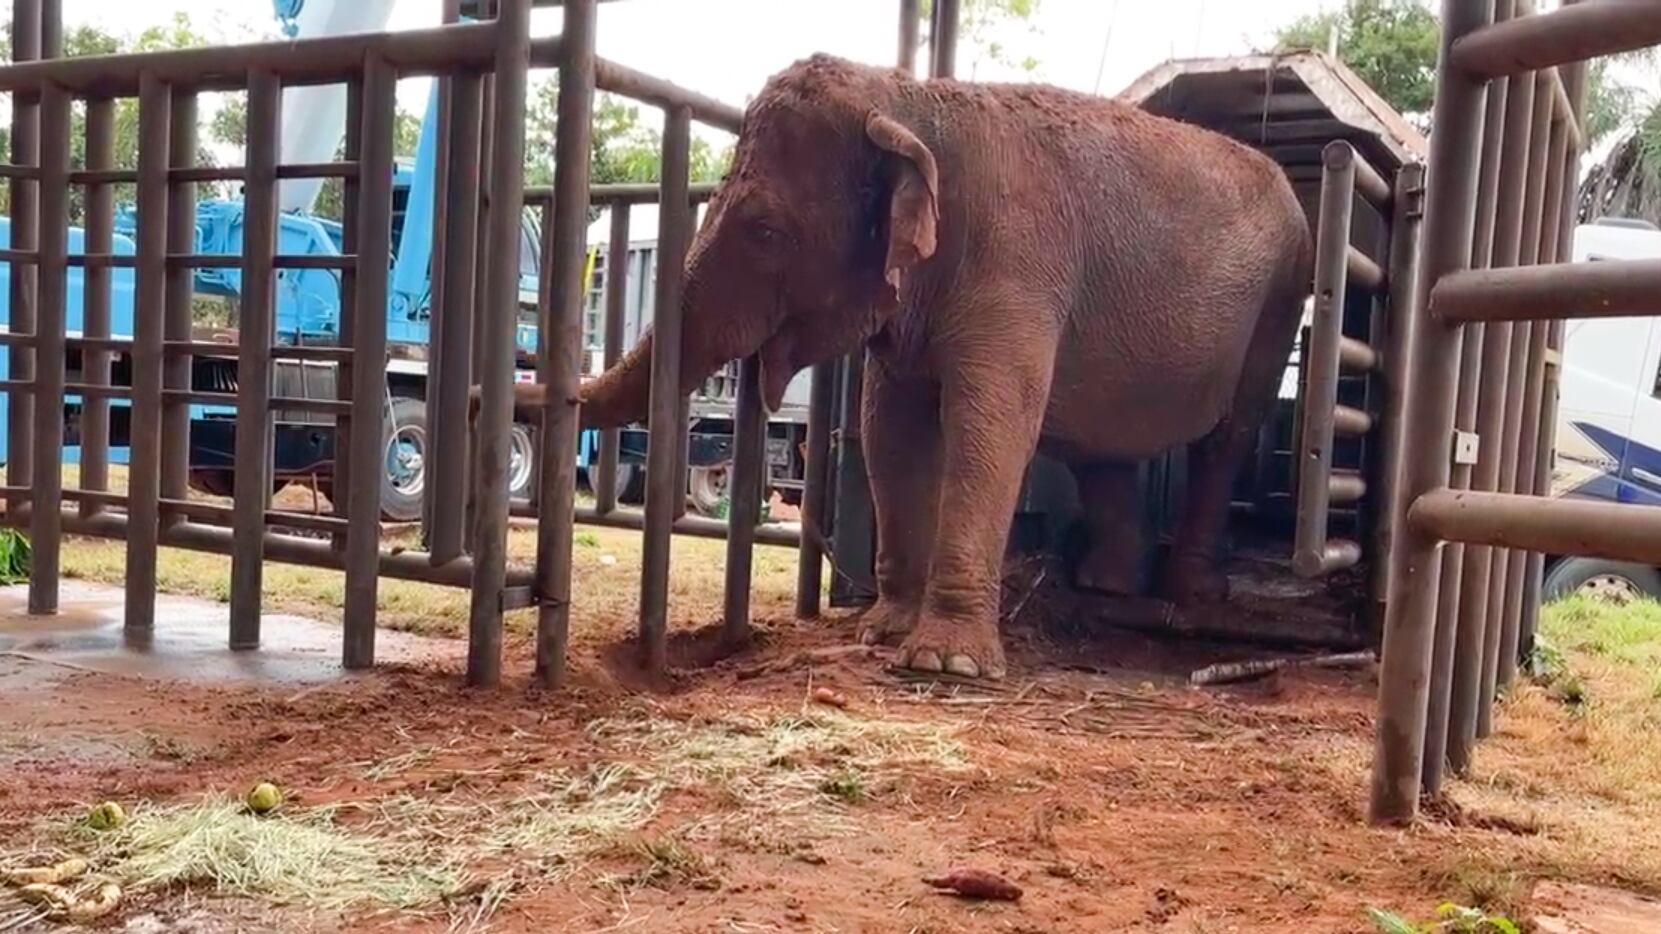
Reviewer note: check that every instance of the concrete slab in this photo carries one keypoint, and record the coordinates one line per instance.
(189, 643)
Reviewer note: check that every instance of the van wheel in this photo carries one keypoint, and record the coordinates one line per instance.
(1617, 582)
(404, 458)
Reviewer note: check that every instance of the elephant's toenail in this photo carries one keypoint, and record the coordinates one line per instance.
(870, 636)
(924, 660)
(962, 665)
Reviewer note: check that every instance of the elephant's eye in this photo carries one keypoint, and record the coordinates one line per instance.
(766, 235)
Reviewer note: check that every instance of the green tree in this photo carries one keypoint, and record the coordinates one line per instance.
(1627, 182)
(1391, 44)
(177, 33)
(982, 22)
(623, 149)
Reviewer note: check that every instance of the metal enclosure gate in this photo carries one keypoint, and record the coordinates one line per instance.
(1465, 569)
(482, 69)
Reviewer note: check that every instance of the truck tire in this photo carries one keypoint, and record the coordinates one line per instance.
(1615, 581)
(707, 488)
(404, 458)
(522, 461)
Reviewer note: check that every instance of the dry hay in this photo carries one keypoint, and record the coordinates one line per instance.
(801, 770)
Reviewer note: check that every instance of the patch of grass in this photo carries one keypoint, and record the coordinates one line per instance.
(666, 862)
(1629, 633)
(586, 539)
(14, 556)
(573, 816)
(297, 858)
(1451, 918)
(847, 787)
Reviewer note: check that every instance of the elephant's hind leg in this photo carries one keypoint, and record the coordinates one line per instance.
(1113, 515)
(1192, 574)
(901, 425)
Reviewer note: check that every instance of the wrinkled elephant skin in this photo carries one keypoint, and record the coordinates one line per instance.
(1031, 269)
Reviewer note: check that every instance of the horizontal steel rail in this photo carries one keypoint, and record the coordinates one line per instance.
(621, 79)
(1560, 290)
(1565, 36)
(1618, 531)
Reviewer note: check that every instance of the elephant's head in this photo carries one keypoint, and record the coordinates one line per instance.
(831, 202)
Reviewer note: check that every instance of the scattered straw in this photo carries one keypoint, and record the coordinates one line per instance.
(297, 858)
(576, 815)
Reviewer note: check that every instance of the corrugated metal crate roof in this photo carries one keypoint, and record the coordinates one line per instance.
(1289, 105)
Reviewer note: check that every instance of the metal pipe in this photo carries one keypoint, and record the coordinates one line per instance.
(1320, 386)
(252, 492)
(500, 262)
(811, 560)
(454, 325)
(444, 88)
(1571, 34)
(155, 104)
(1618, 531)
(364, 436)
(683, 445)
(1356, 355)
(1506, 190)
(181, 291)
(340, 491)
(749, 485)
(1585, 290)
(614, 193)
(25, 152)
(604, 480)
(46, 514)
(1534, 377)
(621, 79)
(95, 312)
(1506, 567)
(910, 20)
(324, 60)
(1371, 184)
(943, 31)
(559, 367)
(665, 489)
(1407, 210)
(1414, 569)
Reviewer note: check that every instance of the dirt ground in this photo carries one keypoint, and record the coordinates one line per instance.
(1116, 796)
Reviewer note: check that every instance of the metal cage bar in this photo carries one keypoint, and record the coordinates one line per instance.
(749, 483)
(560, 333)
(252, 489)
(95, 314)
(46, 512)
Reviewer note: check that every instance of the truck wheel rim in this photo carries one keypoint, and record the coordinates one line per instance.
(519, 458)
(1610, 588)
(406, 460)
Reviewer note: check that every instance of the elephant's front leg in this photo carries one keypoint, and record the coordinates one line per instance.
(991, 410)
(901, 420)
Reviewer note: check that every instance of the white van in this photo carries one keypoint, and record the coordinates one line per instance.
(1609, 415)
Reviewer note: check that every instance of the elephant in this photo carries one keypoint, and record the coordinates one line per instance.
(1028, 269)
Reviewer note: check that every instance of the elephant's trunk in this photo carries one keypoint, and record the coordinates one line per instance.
(621, 394)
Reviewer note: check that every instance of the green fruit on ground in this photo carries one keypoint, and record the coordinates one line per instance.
(264, 798)
(106, 816)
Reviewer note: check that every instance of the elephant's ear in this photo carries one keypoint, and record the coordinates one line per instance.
(914, 206)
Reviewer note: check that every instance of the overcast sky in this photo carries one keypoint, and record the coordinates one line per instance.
(727, 48)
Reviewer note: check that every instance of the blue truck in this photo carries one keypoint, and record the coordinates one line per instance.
(308, 311)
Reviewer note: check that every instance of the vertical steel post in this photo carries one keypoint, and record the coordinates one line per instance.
(1500, 564)
(155, 103)
(500, 268)
(604, 479)
(46, 518)
(1320, 380)
(25, 140)
(910, 21)
(810, 556)
(254, 335)
(943, 33)
(1510, 188)
(366, 438)
(1414, 564)
(665, 468)
(749, 484)
(683, 449)
(340, 492)
(1574, 81)
(444, 87)
(453, 324)
(95, 311)
(1407, 211)
(559, 367)
(181, 292)
(1534, 378)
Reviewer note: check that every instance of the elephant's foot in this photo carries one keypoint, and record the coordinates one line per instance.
(1191, 580)
(970, 649)
(887, 622)
(1111, 568)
